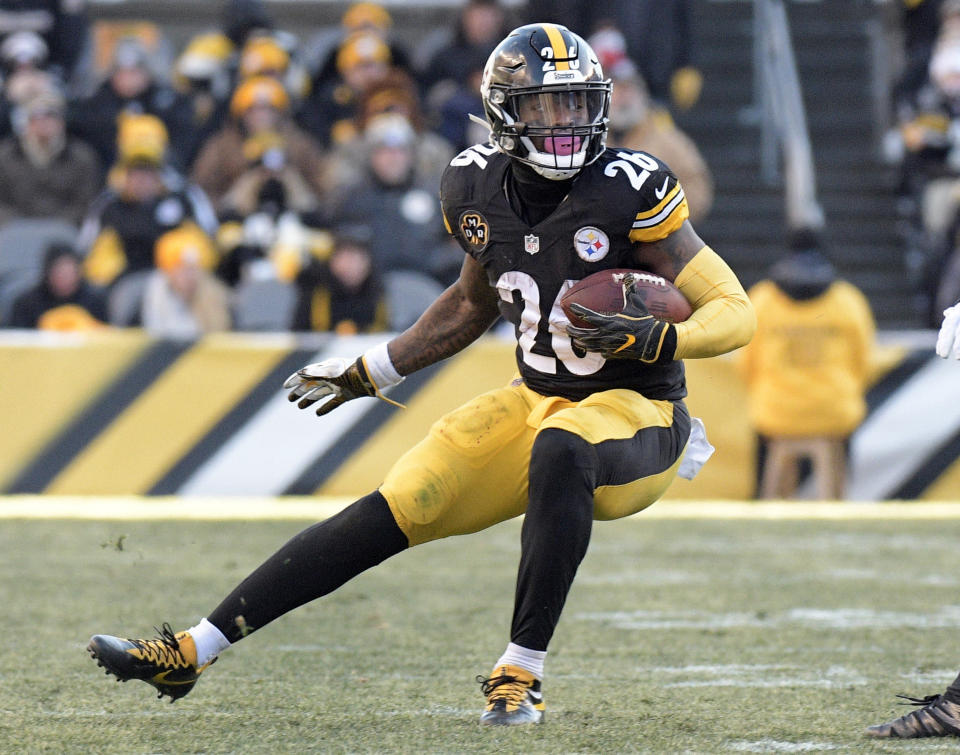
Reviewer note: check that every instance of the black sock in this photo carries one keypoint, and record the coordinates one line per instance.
(555, 534)
(313, 563)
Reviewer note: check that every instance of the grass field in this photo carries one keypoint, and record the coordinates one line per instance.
(749, 633)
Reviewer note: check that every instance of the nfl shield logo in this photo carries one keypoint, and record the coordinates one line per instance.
(531, 244)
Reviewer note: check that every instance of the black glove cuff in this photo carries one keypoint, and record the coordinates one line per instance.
(358, 379)
(669, 347)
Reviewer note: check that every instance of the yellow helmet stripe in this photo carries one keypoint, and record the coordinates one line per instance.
(559, 48)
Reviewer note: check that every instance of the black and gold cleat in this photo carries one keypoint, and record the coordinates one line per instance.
(513, 697)
(938, 717)
(168, 662)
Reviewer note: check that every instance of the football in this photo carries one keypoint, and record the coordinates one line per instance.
(603, 292)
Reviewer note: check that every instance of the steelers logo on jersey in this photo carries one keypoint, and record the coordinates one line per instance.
(591, 243)
(475, 230)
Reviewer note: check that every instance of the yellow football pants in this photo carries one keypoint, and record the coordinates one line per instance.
(471, 471)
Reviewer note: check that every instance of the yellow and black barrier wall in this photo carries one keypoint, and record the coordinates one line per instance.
(119, 413)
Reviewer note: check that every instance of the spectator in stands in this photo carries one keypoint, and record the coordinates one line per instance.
(808, 364)
(182, 298)
(928, 131)
(63, 25)
(402, 211)
(132, 87)
(266, 55)
(919, 22)
(44, 173)
(452, 73)
(455, 108)
(635, 123)
(344, 293)
(328, 112)
(62, 300)
(270, 183)
(259, 105)
(480, 26)
(362, 17)
(25, 74)
(261, 55)
(202, 75)
(242, 19)
(395, 93)
(269, 214)
(659, 40)
(145, 199)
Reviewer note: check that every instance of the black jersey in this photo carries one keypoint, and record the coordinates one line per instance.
(622, 198)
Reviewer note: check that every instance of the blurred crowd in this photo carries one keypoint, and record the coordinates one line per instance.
(260, 179)
(925, 143)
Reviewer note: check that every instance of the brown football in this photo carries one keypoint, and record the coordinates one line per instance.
(603, 292)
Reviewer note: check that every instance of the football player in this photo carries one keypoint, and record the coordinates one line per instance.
(594, 426)
(935, 715)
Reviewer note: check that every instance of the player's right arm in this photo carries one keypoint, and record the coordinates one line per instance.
(459, 316)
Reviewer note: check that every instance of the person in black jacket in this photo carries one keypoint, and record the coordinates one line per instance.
(132, 87)
(62, 300)
(343, 294)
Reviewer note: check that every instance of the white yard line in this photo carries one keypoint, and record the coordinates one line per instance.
(320, 507)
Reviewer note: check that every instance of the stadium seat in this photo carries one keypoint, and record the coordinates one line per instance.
(126, 298)
(408, 295)
(23, 242)
(263, 305)
(11, 286)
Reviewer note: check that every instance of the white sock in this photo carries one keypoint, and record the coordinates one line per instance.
(209, 640)
(528, 660)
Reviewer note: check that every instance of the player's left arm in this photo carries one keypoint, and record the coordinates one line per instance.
(723, 318)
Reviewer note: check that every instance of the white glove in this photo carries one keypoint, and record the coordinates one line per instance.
(337, 380)
(948, 339)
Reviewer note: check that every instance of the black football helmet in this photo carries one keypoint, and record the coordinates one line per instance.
(546, 99)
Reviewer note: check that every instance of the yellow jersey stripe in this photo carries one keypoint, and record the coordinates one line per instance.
(652, 220)
(559, 48)
(191, 395)
(661, 226)
(670, 197)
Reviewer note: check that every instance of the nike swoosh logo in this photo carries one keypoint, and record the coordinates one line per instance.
(626, 344)
(162, 679)
(663, 189)
(535, 696)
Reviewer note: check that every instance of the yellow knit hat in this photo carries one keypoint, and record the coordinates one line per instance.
(362, 47)
(263, 55)
(258, 90)
(141, 140)
(183, 244)
(360, 15)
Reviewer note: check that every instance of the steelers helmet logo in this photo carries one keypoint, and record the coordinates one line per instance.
(475, 230)
(591, 243)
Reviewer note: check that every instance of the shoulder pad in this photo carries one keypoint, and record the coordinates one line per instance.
(661, 206)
